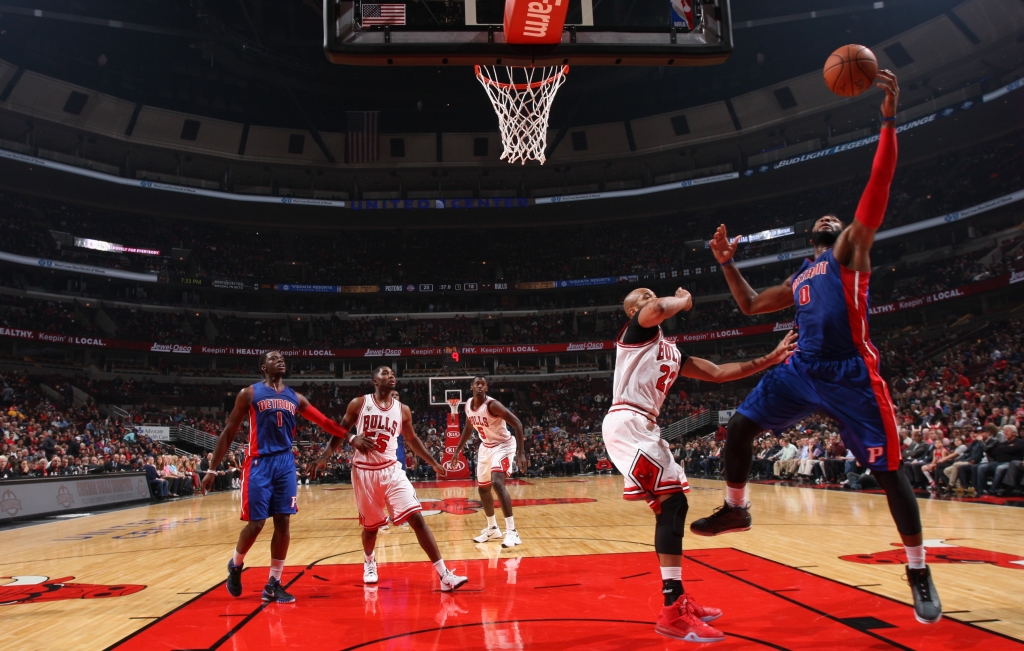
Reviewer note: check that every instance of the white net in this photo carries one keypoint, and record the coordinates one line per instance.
(522, 98)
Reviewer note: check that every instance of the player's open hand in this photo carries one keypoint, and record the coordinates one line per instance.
(722, 247)
(785, 349)
(441, 471)
(886, 80)
(317, 468)
(208, 480)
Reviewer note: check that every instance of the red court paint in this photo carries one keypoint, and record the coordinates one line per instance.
(597, 602)
(464, 483)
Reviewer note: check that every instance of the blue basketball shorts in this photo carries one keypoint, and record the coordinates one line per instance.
(851, 391)
(269, 486)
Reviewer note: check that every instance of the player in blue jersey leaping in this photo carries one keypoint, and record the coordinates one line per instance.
(269, 484)
(835, 370)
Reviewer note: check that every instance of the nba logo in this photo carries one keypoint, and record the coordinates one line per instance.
(681, 14)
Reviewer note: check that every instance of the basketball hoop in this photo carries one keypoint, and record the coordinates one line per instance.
(453, 403)
(522, 98)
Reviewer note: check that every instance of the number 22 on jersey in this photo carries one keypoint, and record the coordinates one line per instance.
(667, 351)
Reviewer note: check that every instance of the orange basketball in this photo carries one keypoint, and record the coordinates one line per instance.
(850, 70)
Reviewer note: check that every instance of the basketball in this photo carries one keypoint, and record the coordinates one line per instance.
(850, 70)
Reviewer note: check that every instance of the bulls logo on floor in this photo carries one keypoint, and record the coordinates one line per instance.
(939, 552)
(464, 506)
(37, 589)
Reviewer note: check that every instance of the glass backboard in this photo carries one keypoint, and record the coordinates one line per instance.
(470, 32)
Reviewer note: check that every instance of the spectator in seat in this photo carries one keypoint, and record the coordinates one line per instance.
(786, 459)
(1002, 456)
(6, 472)
(157, 485)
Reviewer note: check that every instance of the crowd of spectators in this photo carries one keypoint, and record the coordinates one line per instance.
(186, 328)
(951, 182)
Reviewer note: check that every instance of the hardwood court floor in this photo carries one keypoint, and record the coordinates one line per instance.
(817, 571)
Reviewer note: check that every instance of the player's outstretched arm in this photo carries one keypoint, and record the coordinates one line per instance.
(347, 422)
(750, 302)
(501, 411)
(853, 248)
(702, 369)
(416, 445)
(659, 309)
(241, 409)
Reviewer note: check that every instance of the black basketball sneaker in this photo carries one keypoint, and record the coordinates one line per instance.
(234, 582)
(725, 519)
(274, 591)
(927, 607)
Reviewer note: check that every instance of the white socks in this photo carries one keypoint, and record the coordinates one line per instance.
(492, 521)
(510, 524)
(276, 567)
(672, 573)
(736, 496)
(369, 558)
(439, 566)
(237, 559)
(915, 556)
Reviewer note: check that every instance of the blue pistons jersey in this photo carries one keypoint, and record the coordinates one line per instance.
(835, 370)
(271, 420)
(831, 308)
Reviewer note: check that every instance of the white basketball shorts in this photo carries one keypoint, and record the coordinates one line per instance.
(498, 458)
(636, 448)
(383, 492)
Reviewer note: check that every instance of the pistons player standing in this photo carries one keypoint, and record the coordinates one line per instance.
(646, 365)
(498, 451)
(836, 368)
(268, 475)
(380, 485)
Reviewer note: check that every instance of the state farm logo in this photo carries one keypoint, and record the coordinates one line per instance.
(9, 503)
(383, 352)
(785, 325)
(64, 497)
(1016, 277)
(585, 346)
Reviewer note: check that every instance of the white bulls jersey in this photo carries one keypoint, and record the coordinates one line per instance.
(382, 426)
(644, 373)
(492, 430)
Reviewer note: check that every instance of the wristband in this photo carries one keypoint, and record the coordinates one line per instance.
(892, 119)
(727, 262)
(349, 439)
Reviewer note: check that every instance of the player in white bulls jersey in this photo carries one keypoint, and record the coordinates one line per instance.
(378, 481)
(494, 458)
(646, 365)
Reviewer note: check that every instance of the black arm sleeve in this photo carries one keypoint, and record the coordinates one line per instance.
(634, 333)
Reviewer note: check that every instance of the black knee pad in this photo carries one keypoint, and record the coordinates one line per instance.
(671, 522)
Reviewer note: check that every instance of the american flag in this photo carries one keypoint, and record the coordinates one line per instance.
(361, 143)
(389, 14)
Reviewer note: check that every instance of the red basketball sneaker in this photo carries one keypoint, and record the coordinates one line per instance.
(703, 613)
(682, 621)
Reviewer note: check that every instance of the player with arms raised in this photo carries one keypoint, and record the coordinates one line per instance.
(269, 484)
(498, 450)
(646, 365)
(836, 368)
(380, 485)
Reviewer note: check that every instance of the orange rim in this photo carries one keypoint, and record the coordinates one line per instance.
(531, 86)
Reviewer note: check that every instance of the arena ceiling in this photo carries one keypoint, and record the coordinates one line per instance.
(261, 61)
